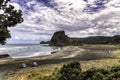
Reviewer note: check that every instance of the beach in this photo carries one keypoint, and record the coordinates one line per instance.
(67, 54)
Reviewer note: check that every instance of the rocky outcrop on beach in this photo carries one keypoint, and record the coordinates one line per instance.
(59, 38)
(44, 42)
(4, 56)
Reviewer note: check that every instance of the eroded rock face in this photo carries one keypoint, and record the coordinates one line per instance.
(61, 39)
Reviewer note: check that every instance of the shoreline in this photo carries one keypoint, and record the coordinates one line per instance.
(11, 65)
(65, 52)
(68, 53)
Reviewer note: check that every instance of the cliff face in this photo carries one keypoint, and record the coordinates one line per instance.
(60, 39)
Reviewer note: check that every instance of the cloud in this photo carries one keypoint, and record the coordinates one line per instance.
(79, 18)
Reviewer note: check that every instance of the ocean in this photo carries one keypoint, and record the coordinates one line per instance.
(26, 50)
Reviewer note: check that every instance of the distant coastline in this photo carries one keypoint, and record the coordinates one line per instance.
(59, 38)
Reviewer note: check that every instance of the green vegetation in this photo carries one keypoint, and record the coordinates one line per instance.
(60, 39)
(72, 71)
(99, 40)
(9, 17)
(95, 74)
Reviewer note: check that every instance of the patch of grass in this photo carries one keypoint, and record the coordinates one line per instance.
(116, 53)
(47, 70)
(108, 46)
(25, 73)
(72, 71)
(102, 63)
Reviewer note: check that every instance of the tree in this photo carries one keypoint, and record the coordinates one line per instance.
(71, 71)
(9, 17)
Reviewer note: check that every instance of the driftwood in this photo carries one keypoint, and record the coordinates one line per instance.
(5, 56)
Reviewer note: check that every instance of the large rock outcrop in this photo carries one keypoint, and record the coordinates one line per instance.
(60, 39)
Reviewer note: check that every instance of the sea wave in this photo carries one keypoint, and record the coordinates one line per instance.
(22, 51)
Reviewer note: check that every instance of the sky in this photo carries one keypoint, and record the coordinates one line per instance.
(78, 18)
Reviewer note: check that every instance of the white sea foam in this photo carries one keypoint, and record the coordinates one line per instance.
(22, 51)
(32, 55)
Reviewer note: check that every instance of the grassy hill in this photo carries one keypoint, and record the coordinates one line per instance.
(99, 40)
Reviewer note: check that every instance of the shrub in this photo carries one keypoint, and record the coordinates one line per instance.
(71, 71)
(95, 74)
(98, 76)
(115, 69)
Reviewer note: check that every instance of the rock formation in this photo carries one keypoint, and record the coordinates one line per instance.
(60, 39)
